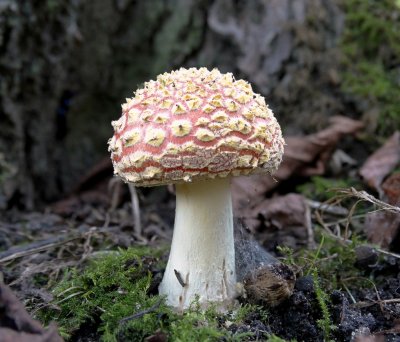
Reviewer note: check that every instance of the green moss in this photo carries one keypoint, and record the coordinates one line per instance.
(116, 286)
(334, 260)
(274, 338)
(110, 289)
(320, 188)
(325, 323)
(371, 46)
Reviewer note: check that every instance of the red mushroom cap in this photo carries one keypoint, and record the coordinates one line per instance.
(194, 124)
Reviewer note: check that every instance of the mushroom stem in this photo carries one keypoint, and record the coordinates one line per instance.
(202, 258)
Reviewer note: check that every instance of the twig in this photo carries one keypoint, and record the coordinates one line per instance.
(141, 313)
(349, 293)
(114, 187)
(35, 247)
(363, 195)
(69, 297)
(136, 212)
(87, 247)
(310, 231)
(388, 253)
(347, 241)
(40, 246)
(329, 208)
(320, 220)
(377, 302)
(316, 255)
(390, 301)
(349, 217)
(345, 219)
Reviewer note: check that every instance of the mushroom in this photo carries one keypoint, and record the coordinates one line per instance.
(196, 129)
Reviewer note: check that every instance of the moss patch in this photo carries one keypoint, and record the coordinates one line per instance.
(120, 285)
(114, 299)
(322, 188)
(108, 290)
(334, 261)
(371, 46)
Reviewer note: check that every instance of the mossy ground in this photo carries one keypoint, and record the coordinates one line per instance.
(120, 285)
(109, 289)
(97, 299)
(371, 47)
(321, 188)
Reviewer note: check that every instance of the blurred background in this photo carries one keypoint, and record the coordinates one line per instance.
(66, 65)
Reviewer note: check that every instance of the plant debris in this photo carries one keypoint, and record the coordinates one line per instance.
(16, 325)
(382, 162)
(304, 156)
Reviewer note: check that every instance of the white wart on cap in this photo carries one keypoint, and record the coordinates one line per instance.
(194, 124)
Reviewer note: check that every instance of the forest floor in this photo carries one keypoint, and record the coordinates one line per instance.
(330, 221)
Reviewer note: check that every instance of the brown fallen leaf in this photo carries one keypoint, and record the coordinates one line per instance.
(9, 335)
(304, 156)
(16, 325)
(381, 162)
(371, 338)
(382, 227)
(92, 188)
(284, 219)
(158, 336)
(391, 189)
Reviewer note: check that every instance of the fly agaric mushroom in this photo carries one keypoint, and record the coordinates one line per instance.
(196, 128)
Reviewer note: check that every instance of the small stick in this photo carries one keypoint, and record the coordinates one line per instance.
(136, 211)
(141, 313)
(329, 208)
(42, 245)
(35, 247)
(179, 277)
(349, 293)
(363, 195)
(310, 231)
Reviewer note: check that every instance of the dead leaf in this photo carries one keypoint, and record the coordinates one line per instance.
(158, 336)
(382, 227)
(92, 188)
(391, 189)
(246, 191)
(309, 155)
(371, 338)
(16, 325)
(282, 211)
(304, 156)
(381, 162)
(96, 175)
(9, 335)
(284, 219)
